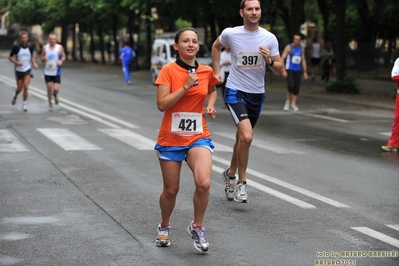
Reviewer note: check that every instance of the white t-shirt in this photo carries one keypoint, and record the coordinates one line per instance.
(248, 67)
(316, 50)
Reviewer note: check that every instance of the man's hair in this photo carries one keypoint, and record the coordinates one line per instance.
(23, 33)
(52, 33)
(242, 4)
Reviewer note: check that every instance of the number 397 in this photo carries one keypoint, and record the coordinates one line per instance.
(249, 60)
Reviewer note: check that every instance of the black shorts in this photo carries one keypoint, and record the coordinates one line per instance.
(293, 81)
(244, 105)
(21, 75)
(54, 79)
(315, 61)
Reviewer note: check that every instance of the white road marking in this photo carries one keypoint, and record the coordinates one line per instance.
(67, 139)
(69, 105)
(387, 134)
(260, 144)
(287, 185)
(325, 117)
(131, 138)
(272, 192)
(222, 147)
(377, 235)
(393, 226)
(9, 143)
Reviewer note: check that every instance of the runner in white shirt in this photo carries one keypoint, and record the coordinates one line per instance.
(252, 48)
(53, 55)
(22, 56)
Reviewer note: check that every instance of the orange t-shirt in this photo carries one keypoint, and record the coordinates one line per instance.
(174, 76)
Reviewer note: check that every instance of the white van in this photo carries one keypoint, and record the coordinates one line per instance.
(163, 53)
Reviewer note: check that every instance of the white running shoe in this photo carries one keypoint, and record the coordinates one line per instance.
(163, 236)
(198, 234)
(241, 193)
(25, 107)
(294, 107)
(286, 106)
(230, 182)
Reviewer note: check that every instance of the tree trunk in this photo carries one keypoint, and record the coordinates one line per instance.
(64, 37)
(325, 13)
(340, 8)
(73, 43)
(81, 47)
(101, 39)
(92, 46)
(115, 34)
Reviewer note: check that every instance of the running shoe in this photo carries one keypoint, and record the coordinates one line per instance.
(286, 106)
(50, 107)
(230, 184)
(163, 236)
(241, 193)
(294, 107)
(25, 107)
(388, 148)
(198, 234)
(14, 100)
(55, 98)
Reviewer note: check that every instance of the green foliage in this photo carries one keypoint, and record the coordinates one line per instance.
(394, 92)
(348, 85)
(180, 23)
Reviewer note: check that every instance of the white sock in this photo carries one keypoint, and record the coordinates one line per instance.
(24, 103)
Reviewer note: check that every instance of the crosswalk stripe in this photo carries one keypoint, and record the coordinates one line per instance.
(9, 143)
(393, 226)
(287, 185)
(377, 235)
(67, 139)
(260, 144)
(131, 138)
(386, 134)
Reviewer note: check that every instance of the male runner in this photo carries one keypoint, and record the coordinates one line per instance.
(53, 55)
(22, 56)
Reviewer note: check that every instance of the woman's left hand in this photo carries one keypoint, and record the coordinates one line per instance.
(211, 111)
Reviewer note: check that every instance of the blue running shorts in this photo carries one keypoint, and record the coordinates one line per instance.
(179, 153)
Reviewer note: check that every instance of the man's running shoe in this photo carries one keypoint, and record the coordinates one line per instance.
(25, 107)
(50, 107)
(55, 98)
(294, 107)
(163, 236)
(389, 148)
(286, 106)
(230, 182)
(241, 193)
(14, 100)
(198, 234)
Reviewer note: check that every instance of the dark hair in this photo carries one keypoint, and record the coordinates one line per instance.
(126, 43)
(23, 33)
(242, 4)
(177, 36)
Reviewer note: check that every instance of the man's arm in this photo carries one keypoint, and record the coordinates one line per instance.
(216, 51)
(12, 58)
(32, 57)
(283, 57)
(43, 54)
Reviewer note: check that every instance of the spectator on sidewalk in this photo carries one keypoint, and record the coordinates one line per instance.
(327, 57)
(315, 59)
(393, 142)
(294, 62)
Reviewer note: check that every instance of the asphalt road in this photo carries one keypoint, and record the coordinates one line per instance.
(80, 185)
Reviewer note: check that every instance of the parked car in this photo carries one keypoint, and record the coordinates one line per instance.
(163, 53)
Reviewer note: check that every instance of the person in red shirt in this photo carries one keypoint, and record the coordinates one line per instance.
(184, 135)
(393, 142)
